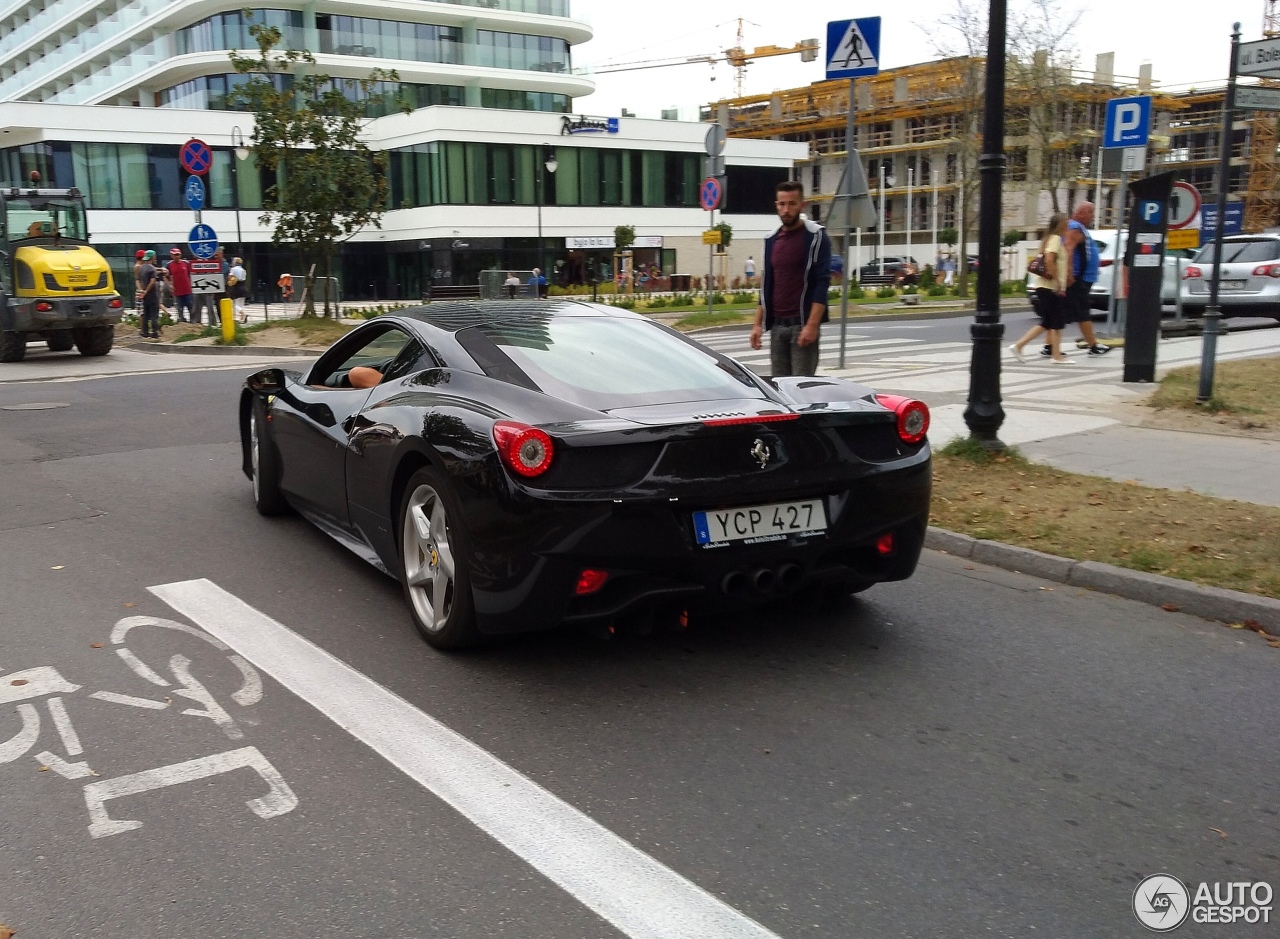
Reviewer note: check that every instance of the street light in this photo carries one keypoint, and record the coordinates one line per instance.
(984, 413)
(551, 165)
(242, 153)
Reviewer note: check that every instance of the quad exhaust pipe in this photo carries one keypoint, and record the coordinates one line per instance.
(763, 581)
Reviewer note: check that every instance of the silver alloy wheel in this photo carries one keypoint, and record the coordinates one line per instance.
(254, 453)
(428, 558)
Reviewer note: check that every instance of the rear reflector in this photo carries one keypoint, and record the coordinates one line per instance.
(115, 304)
(884, 544)
(755, 419)
(589, 581)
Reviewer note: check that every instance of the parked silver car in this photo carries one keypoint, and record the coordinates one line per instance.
(1250, 278)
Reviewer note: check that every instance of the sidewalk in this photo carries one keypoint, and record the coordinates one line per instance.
(1084, 419)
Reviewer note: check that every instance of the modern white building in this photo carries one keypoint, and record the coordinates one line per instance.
(490, 169)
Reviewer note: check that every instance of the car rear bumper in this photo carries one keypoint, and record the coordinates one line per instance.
(1262, 297)
(525, 566)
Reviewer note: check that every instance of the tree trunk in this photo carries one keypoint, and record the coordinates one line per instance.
(309, 290)
(328, 279)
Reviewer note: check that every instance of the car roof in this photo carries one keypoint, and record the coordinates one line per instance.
(453, 316)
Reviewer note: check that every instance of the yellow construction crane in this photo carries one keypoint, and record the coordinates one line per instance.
(738, 57)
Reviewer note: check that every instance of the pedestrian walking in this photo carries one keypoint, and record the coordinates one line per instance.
(179, 274)
(794, 287)
(538, 283)
(285, 283)
(1049, 271)
(149, 280)
(948, 271)
(1081, 274)
(749, 269)
(137, 283)
(238, 288)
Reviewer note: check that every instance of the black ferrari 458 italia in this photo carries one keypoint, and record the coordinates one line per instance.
(522, 464)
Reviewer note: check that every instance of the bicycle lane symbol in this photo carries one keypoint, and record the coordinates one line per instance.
(26, 688)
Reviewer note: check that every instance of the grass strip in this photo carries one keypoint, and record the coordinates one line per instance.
(1215, 542)
(1244, 392)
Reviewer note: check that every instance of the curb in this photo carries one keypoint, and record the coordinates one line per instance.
(1215, 603)
(294, 352)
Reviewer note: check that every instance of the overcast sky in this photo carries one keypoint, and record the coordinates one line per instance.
(1186, 41)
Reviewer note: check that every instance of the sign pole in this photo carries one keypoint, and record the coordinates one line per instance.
(850, 155)
(1113, 301)
(1213, 314)
(711, 263)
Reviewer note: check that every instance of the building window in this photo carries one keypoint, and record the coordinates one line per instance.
(512, 100)
(515, 50)
(231, 31)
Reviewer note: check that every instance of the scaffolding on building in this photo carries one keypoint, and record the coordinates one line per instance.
(1262, 196)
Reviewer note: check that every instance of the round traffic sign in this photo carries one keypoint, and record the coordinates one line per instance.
(203, 241)
(193, 192)
(1184, 205)
(710, 193)
(715, 138)
(196, 157)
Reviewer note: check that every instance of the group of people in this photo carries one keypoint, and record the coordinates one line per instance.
(797, 277)
(157, 286)
(1068, 260)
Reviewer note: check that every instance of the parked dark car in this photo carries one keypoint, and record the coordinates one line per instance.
(521, 464)
(902, 268)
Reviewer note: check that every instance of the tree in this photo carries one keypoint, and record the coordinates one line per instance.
(726, 233)
(948, 236)
(1011, 238)
(624, 236)
(328, 184)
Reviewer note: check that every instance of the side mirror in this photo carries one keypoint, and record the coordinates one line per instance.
(269, 381)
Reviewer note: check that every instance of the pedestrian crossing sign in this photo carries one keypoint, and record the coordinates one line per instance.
(853, 47)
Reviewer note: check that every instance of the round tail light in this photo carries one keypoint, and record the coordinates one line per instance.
(526, 451)
(913, 416)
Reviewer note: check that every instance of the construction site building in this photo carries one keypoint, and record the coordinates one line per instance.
(918, 128)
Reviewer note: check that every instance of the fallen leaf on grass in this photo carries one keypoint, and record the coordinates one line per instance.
(1170, 607)
(1218, 830)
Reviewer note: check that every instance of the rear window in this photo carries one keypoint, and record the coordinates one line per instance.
(605, 362)
(1243, 252)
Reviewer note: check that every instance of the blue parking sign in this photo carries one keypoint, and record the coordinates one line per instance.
(853, 47)
(1128, 122)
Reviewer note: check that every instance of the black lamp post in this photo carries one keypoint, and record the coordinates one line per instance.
(241, 153)
(984, 415)
(550, 163)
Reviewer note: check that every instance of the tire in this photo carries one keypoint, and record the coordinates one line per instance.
(265, 461)
(433, 562)
(60, 341)
(13, 346)
(94, 340)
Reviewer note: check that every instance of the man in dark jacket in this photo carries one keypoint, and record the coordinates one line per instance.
(793, 292)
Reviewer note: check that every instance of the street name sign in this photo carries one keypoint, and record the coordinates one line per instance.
(1258, 99)
(1128, 122)
(853, 47)
(1258, 58)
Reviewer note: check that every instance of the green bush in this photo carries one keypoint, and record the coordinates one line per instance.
(856, 292)
(682, 299)
(937, 290)
(657, 303)
(626, 303)
(886, 292)
(910, 290)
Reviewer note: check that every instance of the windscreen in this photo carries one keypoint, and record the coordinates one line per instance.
(43, 218)
(1243, 252)
(606, 362)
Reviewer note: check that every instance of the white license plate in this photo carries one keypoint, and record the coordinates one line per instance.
(1232, 285)
(760, 522)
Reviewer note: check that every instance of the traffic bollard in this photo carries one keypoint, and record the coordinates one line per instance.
(227, 311)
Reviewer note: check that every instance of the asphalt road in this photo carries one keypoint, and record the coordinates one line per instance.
(970, 753)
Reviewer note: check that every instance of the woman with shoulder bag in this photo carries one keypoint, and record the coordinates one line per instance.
(1049, 278)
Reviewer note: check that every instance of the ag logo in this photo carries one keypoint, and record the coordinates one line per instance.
(1161, 903)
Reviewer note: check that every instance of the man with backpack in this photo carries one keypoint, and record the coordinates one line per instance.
(1081, 273)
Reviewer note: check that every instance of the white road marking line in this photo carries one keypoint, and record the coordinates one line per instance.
(278, 800)
(113, 698)
(62, 767)
(141, 668)
(62, 721)
(614, 879)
